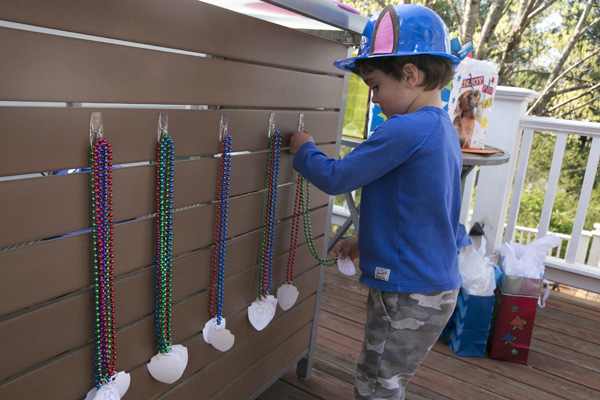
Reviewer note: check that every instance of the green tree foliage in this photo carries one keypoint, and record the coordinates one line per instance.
(549, 46)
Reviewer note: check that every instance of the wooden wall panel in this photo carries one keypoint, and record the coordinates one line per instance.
(255, 68)
(26, 271)
(41, 332)
(50, 206)
(39, 140)
(135, 346)
(182, 24)
(79, 71)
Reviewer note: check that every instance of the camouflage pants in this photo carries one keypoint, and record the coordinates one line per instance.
(401, 328)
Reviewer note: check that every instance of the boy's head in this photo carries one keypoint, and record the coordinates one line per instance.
(402, 34)
(437, 70)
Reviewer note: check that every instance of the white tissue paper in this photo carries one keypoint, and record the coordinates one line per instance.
(476, 270)
(527, 260)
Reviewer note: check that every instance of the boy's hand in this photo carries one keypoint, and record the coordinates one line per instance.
(347, 247)
(298, 139)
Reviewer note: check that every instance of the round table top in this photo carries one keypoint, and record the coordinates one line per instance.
(487, 156)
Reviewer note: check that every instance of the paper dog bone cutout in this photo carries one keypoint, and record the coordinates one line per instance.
(346, 266)
(287, 296)
(168, 367)
(260, 313)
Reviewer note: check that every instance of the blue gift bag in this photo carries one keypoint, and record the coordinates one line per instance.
(468, 328)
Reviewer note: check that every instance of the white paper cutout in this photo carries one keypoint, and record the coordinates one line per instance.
(287, 296)
(123, 380)
(221, 338)
(108, 391)
(261, 312)
(346, 266)
(169, 367)
(91, 394)
(217, 335)
(210, 324)
(119, 382)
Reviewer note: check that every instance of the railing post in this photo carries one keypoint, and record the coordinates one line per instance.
(594, 259)
(495, 182)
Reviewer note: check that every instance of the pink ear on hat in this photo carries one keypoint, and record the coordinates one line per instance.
(386, 32)
(384, 41)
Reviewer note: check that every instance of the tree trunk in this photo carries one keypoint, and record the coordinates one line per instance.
(519, 25)
(489, 26)
(541, 103)
(457, 17)
(471, 14)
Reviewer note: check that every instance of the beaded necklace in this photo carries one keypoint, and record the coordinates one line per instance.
(164, 240)
(105, 343)
(262, 310)
(218, 266)
(168, 364)
(265, 276)
(214, 331)
(304, 189)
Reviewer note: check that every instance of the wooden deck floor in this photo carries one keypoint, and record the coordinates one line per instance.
(564, 360)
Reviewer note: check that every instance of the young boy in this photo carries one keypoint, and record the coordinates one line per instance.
(409, 171)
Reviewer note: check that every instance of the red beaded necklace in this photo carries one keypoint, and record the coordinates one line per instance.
(105, 338)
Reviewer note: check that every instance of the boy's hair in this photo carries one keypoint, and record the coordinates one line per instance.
(438, 70)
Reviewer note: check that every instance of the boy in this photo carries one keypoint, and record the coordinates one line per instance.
(409, 170)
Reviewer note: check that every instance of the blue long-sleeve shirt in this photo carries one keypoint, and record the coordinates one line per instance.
(409, 171)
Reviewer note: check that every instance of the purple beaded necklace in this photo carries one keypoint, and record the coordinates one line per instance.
(105, 341)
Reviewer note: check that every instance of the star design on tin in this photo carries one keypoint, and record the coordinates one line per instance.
(518, 322)
(484, 122)
(515, 308)
(514, 352)
(509, 338)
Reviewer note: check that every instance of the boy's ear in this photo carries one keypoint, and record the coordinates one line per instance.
(411, 74)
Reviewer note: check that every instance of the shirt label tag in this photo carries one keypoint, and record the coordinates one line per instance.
(382, 274)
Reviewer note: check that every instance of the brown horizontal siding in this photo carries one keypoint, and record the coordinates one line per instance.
(55, 139)
(182, 24)
(27, 271)
(75, 70)
(136, 343)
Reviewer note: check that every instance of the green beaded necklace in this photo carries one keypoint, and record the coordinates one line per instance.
(105, 340)
(164, 238)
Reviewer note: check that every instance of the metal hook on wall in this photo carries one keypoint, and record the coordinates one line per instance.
(163, 125)
(96, 127)
(271, 125)
(301, 122)
(223, 127)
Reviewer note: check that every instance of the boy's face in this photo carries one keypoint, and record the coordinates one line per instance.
(393, 96)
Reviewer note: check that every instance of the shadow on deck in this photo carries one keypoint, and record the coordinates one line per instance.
(563, 363)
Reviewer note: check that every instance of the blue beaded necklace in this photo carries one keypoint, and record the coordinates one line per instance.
(105, 343)
(270, 210)
(218, 267)
(164, 240)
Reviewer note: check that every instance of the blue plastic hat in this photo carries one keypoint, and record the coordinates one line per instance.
(402, 30)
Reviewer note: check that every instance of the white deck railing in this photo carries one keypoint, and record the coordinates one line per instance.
(575, 262)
